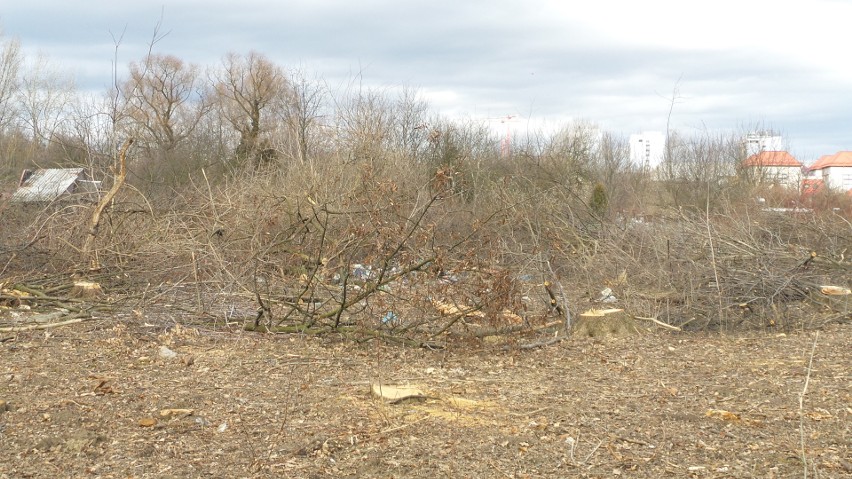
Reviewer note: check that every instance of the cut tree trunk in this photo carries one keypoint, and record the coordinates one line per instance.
(86, 290)
(120, 174)
(596, 323)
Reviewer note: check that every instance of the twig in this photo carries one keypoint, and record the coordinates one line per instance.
(658, 322)
(537, 344)
(397, 428)
(527, 414)
(501, 471)
(801, 407)
(594, 450)
(634, 441)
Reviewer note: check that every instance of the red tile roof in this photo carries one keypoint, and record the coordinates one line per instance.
(842, 158)
(772, 158)
(811, 186)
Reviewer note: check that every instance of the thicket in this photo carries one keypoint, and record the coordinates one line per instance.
(259, 197)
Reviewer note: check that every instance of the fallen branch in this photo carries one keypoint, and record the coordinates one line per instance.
(31, 327)
(541, 344)
(537, 344)
(658, 322)
(398, 428)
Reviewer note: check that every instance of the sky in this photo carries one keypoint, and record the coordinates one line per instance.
(626, 66)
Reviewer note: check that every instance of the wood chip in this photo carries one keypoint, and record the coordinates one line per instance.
(148, 422)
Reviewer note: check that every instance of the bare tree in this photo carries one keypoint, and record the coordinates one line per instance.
(165, 100)
(10, 63)
(411, 130)
(563, 158)
(246, 87)
(699, 169)
(44, 97)
(364, 119)
(302, 113)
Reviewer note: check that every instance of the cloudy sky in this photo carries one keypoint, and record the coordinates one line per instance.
(779, 64)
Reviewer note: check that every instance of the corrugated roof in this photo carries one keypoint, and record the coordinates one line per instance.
(47, 185)
(842, 158)
(772, 158)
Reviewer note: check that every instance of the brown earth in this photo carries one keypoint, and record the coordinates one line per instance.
(88, 400)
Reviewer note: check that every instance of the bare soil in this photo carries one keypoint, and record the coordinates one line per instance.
(93, 400)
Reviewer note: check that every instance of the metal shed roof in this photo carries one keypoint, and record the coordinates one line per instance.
(47, 185)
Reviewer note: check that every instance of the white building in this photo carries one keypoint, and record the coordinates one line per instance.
(647, 149)
(774, 167)
(757, 142)
(835, 171)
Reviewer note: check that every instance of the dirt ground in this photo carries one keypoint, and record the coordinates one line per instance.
(105, 398)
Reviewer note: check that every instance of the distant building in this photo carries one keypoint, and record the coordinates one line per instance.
(835, 171)
(757, 142)
(775, 167)
(647, 149)
(44, 186)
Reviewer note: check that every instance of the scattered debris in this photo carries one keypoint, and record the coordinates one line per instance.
(167, 353)
(606, 296)
(362, 273)
(390, 318)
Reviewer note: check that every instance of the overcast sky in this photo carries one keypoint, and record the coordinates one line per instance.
(779, 64)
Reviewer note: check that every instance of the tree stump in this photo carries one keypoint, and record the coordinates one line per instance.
(86, 290)
(596, 323)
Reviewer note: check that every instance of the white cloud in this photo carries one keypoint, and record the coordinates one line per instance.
(614, 62)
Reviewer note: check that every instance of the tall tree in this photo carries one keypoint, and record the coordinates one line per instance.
(302, 111)
(411, 129)
(44, 98)
(246, 87)
(10, 63)
(165, 100)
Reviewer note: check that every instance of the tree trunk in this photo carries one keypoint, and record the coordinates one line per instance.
(89, 254)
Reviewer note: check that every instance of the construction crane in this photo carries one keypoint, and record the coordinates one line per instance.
(506, 142)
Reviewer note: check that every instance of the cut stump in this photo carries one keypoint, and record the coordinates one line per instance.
(86, 290)
(596, 323)
(395, 393)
